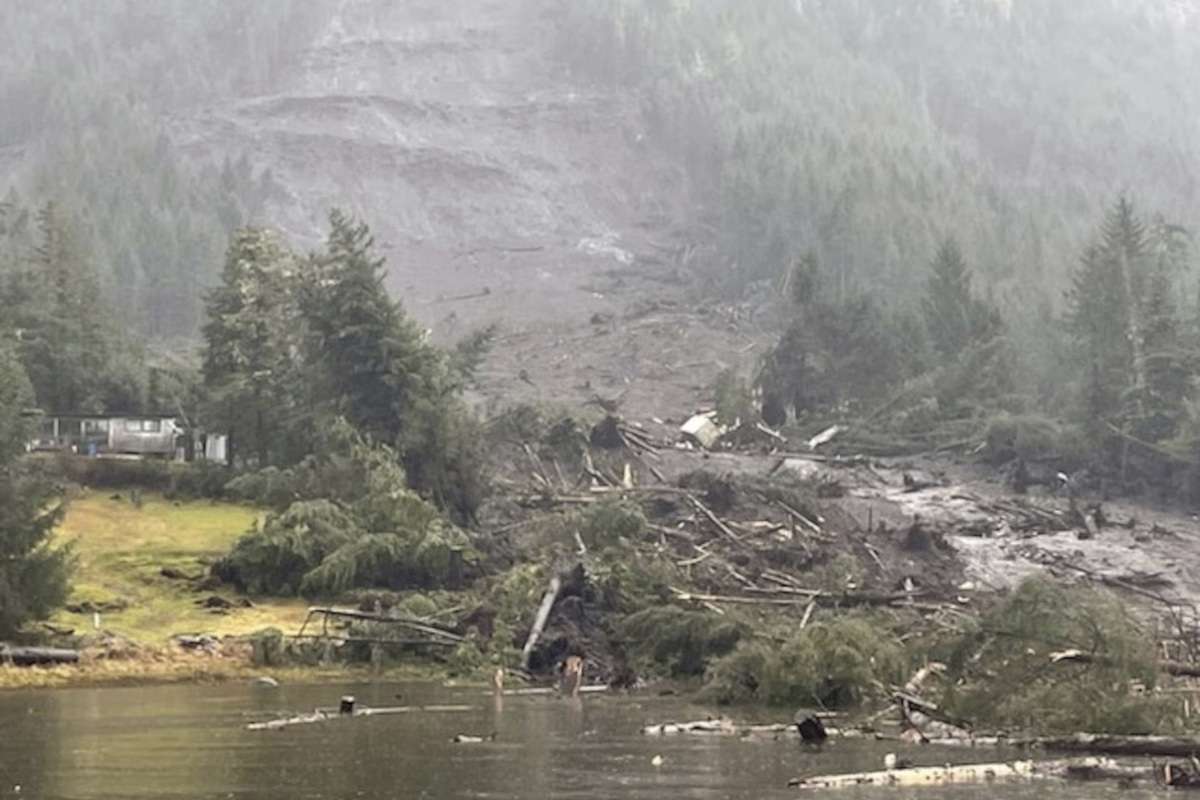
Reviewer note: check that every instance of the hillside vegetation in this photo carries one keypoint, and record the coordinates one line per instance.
(869, 131)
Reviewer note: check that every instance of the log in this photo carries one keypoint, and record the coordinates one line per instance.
(1094, 744)
(543, 616)
(1099, 744)
(1077, 769)
(776, 597)
(37, 656)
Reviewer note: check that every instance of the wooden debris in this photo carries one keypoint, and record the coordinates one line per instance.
(717, 726)
(543, 616)
(36, 656)
(799, 597)
(1078, 769)
(825, 436)
(713, 518)
(429, 633)
(326, 714)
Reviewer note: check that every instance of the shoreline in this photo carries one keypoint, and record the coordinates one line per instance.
(164, 667)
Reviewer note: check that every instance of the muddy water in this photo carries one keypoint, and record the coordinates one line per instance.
(191, 742)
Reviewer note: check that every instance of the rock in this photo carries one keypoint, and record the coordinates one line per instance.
(215, 601)
(196, 641)
(812, 730)
(209, 584)
(172, 573)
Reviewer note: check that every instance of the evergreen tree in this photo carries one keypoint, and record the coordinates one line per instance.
(251, 344)
(33, 576)
(1105, 315)
(71, 349)
(1168, 371)
(948, 303)
(375, 366)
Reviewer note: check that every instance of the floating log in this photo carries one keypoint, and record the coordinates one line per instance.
(326, 714)
(534, 691)
(726, 727)
(1096, 744)
(37, 656)
(1074, 769)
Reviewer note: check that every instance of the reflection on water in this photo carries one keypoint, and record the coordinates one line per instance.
(191, 742)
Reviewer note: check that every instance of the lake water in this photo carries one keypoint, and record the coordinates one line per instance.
(184, 742)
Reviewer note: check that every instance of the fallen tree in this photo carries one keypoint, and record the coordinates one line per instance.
(1070, 769)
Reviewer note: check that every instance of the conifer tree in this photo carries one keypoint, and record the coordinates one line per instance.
(374, 363)
(948, 304)
(251, 341)
(1105, 315)
(33, 576)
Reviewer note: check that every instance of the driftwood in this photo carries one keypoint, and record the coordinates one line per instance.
(36, 656)
(543, 616)
(1069, 769)
(1095, 744)
(326, 714)
(726, 727)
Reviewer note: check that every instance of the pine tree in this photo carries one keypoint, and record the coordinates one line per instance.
(1105, 316)
(948, 304)
(71, 349)
(33, 576)
(954, 317)
(375, 366)
(251, 343)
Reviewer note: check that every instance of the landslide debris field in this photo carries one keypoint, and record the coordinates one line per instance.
(504, 191)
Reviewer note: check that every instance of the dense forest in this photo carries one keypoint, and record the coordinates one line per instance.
(88, 100)
(988, 204)
(869, 131)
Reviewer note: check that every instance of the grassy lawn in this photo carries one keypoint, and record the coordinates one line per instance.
(120, 549)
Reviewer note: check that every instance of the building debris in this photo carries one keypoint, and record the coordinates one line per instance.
(703, 430)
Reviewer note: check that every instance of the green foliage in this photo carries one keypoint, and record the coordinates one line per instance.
(33, 575)
(954, 316)
(1031, 437)
(267, 648)
(350, 522)
(778, 110)
(628, 583)
(251, 338)
(733, 398)
(611, 524)
(95, 132)
(678, 641)
(291, 345)
(50, 303)
(276, 558)
(1002, 674)
(837, 574)
(836, 353)
(835, 662)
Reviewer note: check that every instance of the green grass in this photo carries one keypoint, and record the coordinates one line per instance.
(119, 550)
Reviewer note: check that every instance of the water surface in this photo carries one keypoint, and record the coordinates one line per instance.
(184, 742)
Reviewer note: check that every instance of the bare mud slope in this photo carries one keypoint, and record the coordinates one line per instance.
(501, 190)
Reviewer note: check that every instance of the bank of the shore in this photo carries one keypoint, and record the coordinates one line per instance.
(166, 665)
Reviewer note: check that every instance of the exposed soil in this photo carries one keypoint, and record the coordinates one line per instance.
(504, 191)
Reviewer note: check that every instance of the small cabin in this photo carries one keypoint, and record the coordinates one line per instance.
(96, 435)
